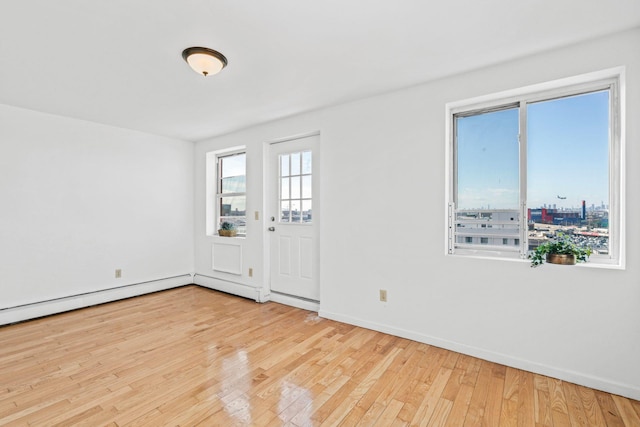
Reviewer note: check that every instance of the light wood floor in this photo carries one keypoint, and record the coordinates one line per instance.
(192, 356)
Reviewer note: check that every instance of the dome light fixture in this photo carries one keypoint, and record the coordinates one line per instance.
(204, 61)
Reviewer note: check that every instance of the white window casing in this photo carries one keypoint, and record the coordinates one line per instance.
(611, 80)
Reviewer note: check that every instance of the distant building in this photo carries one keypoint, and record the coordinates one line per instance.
(554, 216)
(497, 227)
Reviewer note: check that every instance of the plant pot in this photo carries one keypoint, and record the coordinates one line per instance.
(227, 233)
(563, 259)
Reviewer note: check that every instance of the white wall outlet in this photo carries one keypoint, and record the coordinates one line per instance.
(383, 295)
(256, 215)
(118, 273)
(251, 272)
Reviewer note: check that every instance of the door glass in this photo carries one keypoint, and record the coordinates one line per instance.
(306, 162)
(295, 164)
(295, 188)
(285, 211)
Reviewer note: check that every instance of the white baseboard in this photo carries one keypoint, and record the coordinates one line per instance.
(294, 302)
(627, 390)
(245, 291)
(72, 302)
(256, 294)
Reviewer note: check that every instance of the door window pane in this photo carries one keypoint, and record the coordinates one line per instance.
(306, 162)
(284, 188)
(295, 210)
(306, 211)
(284, 165)
(296, 187)
(306, 187)
(285, 211)
(295, 164)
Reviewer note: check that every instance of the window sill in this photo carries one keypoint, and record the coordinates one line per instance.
(598, 263)
(238, 236)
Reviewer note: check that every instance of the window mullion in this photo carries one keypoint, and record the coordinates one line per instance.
(522, 141)
(616, 173)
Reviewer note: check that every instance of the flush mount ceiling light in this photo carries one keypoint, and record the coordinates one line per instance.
(204, 61)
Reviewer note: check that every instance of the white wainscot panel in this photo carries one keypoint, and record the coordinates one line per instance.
(227, 257)
(284, 245)
(306, 257)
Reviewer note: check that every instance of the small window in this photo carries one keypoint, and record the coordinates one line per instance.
(231, 194)
(505, 241)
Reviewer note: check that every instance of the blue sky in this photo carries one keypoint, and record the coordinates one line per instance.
(568, 140)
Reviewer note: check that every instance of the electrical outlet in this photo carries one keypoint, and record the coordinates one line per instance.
(251, 272)
(118, 273)
(383, 295)
(256, 215)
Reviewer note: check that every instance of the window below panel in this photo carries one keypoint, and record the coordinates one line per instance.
(526, 167)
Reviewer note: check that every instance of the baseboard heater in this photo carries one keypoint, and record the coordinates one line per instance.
(234, 288)
(37, 309)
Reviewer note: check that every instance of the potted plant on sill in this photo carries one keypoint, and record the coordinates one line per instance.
(227, 229)
(561, 250)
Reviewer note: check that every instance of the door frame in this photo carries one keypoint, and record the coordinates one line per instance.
(266, 223)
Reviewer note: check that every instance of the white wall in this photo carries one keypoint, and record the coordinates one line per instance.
(254, 139)
(79, 200)
(579, 324)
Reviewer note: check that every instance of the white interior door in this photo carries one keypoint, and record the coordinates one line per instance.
(292, 217)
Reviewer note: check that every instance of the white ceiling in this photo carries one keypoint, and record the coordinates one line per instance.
(118, 62)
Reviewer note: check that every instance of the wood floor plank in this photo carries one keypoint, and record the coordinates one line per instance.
(526, 401)
(193, 356)
(577, 414)
(386, 388)
(389, 415)
(636, 406)
(509, 413)
(432, 397)
(559, 408)
(493, 407)
(626, 411)
(479, 397)
(411, 394)
(591, 406)
(542, 402)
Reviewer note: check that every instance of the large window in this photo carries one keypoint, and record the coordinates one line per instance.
(526, 166)
(231, 194)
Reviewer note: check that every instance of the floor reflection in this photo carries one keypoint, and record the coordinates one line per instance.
(293, 399)
(236, 383)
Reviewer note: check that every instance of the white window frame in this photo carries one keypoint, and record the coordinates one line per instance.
(213, 187)
(612, 79)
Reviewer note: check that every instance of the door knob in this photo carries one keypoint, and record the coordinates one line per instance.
(271, 229)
